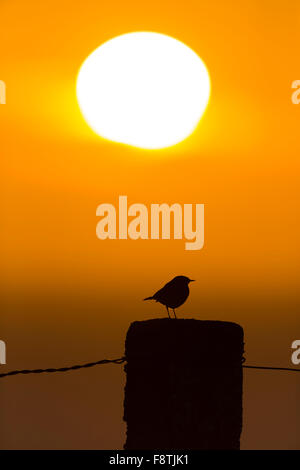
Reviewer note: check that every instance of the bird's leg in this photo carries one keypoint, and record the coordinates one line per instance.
(168, 311)
(174, 313)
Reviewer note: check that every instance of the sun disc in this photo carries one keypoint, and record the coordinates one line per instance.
(143, 89)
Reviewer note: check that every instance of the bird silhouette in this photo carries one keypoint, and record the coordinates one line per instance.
(173, 294)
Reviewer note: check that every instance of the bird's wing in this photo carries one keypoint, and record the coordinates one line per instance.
(164, 293)
(157, 294)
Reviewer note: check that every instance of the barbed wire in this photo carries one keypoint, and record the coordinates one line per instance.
(120, 360)
(64, 369)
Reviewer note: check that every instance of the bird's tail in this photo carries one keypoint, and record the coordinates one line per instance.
(148, 298)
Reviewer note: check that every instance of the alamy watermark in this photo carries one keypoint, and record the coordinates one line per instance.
(296, 94)
(154, 224)
(2, 92)
(2, 352)
(295, 358)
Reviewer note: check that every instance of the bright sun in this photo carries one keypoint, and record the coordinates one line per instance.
(143, 89)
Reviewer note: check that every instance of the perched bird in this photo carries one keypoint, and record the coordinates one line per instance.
(173, 294)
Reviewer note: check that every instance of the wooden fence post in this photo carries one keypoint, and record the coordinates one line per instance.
(183, 384)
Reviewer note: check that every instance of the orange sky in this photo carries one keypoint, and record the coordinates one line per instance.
(62, 285)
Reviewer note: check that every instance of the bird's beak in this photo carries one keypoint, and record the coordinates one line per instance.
(192, 280)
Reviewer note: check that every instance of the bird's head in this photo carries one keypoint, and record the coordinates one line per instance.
(183, 279)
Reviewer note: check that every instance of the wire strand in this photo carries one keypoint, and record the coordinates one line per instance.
(64, 369)
(271, 368)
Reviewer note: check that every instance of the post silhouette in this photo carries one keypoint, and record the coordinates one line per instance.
(183, 384)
